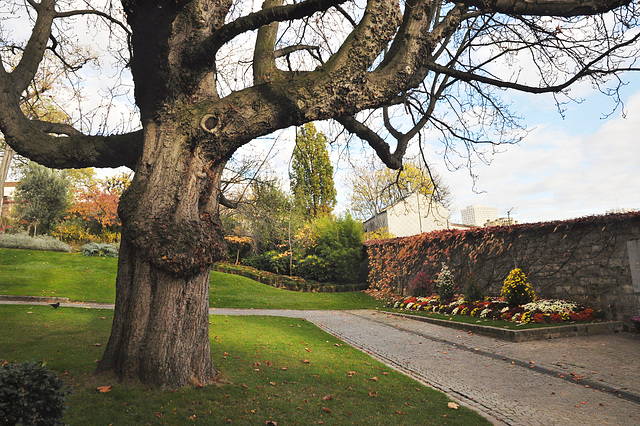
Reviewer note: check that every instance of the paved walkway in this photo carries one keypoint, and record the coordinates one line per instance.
(562, 381)
(592, 380)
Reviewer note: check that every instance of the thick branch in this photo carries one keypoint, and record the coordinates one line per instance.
(564, 8)
(382, 149)
(203, 55)
(27, 68)
(264, 61)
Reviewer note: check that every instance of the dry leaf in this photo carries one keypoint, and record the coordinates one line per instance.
(270, 423)
(373, 395)
(272, 383)
(374, 379)
(453, 405)
(305, 361)
(103, 389)
(327, 398)
(192, 417)
(159, 415)
(326, 409)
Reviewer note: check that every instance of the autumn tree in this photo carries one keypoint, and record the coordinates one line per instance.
(373, 188)
(311, 173)
(209, 77)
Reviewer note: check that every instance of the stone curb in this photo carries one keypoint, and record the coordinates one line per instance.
(40, 299)
(544, 333)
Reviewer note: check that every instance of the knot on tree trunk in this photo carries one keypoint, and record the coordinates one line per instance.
(178, 247)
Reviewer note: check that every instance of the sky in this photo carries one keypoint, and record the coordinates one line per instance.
(578, 165)
(565, 167)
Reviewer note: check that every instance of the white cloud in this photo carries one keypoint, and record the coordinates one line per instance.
(556, 174)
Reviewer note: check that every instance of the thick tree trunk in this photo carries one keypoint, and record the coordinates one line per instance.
(160, 332)
(171, 235)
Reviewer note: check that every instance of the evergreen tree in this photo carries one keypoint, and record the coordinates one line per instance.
(311, 173)
(42, 197)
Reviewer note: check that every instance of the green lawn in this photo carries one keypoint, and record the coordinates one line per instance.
(281, 369)
(48, 273)
(92, 279)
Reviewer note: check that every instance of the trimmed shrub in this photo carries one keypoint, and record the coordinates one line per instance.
(99, 249)
(516, 289)
(31, 394)
(41, 242)
(446, 289)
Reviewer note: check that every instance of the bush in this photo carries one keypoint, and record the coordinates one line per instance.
(271, 261)
(98, 249)
(516, 289)
(30, 394)
(313, 268)
(472, 291)
(338, 242)
(446, 289)
(421, 285)
(24, 241)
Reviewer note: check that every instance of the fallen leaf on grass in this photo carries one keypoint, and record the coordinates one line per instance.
(272, 383)
(327, 398)
(453, 405)
(374, 379)
(159, 415)
(103, 389)
(326, 409)
(373, 395)
(305, 361)
(270, 423)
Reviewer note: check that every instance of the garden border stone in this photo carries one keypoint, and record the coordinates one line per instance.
(43, 299)
(543, 333)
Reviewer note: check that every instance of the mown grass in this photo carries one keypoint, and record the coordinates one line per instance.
(235, 291)
(46, 273)
(280, 369)
(92, 279)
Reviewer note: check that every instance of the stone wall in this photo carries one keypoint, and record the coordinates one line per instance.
(586, 260)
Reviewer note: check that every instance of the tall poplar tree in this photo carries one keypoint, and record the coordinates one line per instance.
(312, 173)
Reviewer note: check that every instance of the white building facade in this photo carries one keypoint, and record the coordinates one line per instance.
(412, 215)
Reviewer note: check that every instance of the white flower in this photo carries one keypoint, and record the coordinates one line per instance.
(485, 312)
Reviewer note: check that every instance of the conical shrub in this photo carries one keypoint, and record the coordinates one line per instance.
(516, 289)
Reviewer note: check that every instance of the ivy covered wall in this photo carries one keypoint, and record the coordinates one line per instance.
(584, 260)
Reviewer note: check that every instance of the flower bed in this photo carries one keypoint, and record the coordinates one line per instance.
(539, 311)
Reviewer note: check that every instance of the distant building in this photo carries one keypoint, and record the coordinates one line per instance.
(503, 221)
(477, 215)
(9, 190)
(7, 199)
(412, 215)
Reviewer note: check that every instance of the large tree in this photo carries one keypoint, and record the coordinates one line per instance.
(311, 173)
(439, 62)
